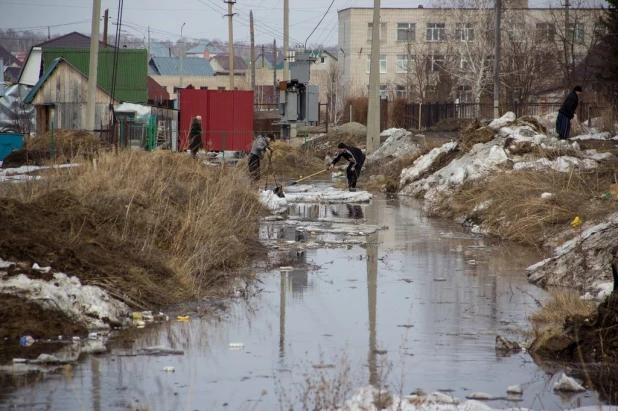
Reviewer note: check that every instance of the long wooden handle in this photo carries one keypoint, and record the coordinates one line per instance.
(304, 178)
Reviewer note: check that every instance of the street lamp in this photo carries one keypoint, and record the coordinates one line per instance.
(182, 53)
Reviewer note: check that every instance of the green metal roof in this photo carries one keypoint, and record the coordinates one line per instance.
(28, 99)
(131, 76)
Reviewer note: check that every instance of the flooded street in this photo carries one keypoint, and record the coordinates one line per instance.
(417, 307)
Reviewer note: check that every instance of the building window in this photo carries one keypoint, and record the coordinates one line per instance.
(382, 31)
(382, 63)
(575, 32)
(465, 64)
(545, 31)
(436, 31)
(517, 32)
(405, 63)
(600, 30)
(406, 31)
(464, 32)
(323, 60)
(383, 91)
(464, 94)
(220, 88)
(400, 92)
(176, 89)
(435, 62)
(203, 88)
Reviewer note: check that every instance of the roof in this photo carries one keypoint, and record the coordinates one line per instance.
(159, 50)
(131, 82)
(71, 40)
(224, 62)
(8, 58)
(156, 91)
(170, 66)
(203, 46)
(48, 72)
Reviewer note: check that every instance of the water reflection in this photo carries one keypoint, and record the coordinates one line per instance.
(428, 282)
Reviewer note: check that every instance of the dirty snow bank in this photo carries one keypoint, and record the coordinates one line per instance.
(398, 144)
(582, 261)
(311, 194)
(22, 173)
(84, 304)
(364, 398)
(498, 155)
(274, 203)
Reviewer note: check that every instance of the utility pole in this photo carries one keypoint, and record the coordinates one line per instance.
(230, 15)
(252, 51)
(275, 88)
(105, 22)
(92, 69)
(498, 47)
(182, 54)
(286, 39)
(566, 45)
(149, 41)
(262, 56)
(373, 113)
(48, 33)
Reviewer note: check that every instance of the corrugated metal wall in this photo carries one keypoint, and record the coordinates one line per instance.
(227, 118)
(131, 77)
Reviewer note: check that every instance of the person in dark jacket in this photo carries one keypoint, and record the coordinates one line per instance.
(356, 159)
(566, 113)
(195, 136)
(260, 145)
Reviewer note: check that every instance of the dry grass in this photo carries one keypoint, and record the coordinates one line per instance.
(562, 303)
(199, 221)
(514, 207)
(289, 161)
(475, 133)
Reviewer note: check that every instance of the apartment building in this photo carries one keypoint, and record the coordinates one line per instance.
(438, 53)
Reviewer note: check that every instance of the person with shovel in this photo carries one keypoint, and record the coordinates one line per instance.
(355, 157)
(260, 145)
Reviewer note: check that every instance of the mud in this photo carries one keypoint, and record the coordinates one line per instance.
(19, 317)
(56, 230)
(586, 339)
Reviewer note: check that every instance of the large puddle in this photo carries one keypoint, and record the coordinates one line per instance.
(418, 306)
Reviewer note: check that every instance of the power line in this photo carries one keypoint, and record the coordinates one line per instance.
(331, 5)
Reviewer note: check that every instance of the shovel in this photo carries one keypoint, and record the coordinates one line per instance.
(304, 178)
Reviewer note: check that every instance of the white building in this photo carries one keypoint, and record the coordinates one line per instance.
(438, 53)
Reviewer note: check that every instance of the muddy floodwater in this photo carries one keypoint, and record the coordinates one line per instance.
(418, 306)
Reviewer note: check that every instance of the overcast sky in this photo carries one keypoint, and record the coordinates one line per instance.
(203, 18)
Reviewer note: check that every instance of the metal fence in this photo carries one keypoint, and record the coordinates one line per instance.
(423, 116)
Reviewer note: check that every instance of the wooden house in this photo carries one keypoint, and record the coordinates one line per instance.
(60, 97)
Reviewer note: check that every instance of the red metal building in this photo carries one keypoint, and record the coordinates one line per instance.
(227, 118)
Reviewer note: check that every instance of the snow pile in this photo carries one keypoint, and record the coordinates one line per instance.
(424, 163)
(479, 162)
(588, 251)
(498, 123)
(599, 291)
(398, 144)
(561, 164)
(328, 195)
(274, 203)
(568, 384)
(84, 304)
(22, 173)
(596, 136)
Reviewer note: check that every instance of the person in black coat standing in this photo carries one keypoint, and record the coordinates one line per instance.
(195, 136)
(356, 158)
(566, 113)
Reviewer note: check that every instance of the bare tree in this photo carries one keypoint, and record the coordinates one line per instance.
(335, 91)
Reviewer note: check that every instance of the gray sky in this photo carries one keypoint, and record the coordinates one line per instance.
(203, 18)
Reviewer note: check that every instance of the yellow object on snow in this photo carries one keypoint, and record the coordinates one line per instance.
(183, 318)
(576, 222)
